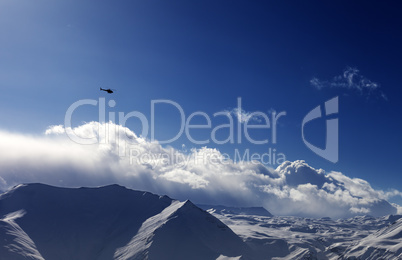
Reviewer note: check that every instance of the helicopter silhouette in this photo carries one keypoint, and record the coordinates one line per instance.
(110, 91)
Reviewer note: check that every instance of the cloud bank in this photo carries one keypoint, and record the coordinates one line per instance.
(201, 175)
(350, 79)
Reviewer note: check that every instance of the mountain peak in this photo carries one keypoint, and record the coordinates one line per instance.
(110, 222)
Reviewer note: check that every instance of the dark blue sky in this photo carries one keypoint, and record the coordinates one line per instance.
(204, 55)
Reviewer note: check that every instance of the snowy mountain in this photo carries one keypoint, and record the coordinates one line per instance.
(44, 222)
(384, 244)
(112, 222)
(287, 237)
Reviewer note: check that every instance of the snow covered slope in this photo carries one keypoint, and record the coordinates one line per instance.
(259, 211)
(15, 243)
(45, 222)
(384, 244)
(288, 238)
(182, 231)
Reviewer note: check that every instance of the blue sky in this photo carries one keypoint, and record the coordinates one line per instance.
(204, 55)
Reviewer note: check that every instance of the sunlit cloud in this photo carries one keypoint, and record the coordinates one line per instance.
(202, 175)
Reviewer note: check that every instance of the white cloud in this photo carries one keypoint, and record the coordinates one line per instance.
(399, 208)
(350, 79)
(55, 129)
(391, 193)
(243, 116)
(361, 211)
(201, 175)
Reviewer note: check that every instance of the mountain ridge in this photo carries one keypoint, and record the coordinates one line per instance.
(93, 223)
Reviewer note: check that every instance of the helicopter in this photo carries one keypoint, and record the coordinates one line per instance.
(110, 91)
